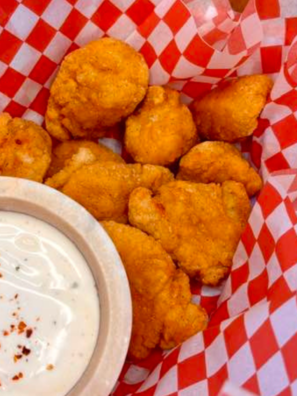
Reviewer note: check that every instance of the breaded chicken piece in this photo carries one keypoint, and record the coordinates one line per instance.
(25, 149)
(96, 87)
(216, 162)
(163, 314)
(230, 113)
(104, 188)
(83, 157)
(199, 225)
(161, 130)
(64, 151)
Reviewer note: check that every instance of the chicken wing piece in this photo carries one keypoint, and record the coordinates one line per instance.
(161, 130)
(96, 87)
(230, 112)
(217, 162)
(199, 225)
(104, 188)
(64, 151)
(163, 314)
(25, 149)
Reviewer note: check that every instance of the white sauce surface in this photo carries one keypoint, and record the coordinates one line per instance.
(46, 286)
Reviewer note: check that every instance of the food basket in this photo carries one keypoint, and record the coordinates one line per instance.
(192, 45)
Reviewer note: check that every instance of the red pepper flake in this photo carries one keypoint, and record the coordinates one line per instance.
(17, 377)
(1, 275)
(50, 367)
(22, 325)
(16, 296)
(12, 327)
(5, 333)
(26, 351)
(17, 357)
(29, 332)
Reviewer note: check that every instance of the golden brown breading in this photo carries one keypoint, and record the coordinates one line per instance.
(163, 314)
(83, 157)
(216, 162)
(64, 151)
(161, 130)
(199, 225)
(96, 87)
(104, 188)
(230, 113)
(25, 148)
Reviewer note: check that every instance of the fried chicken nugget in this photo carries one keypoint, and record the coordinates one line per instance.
(217, 162)
(83, 157)
(25, 148)
(96, 87)
(163, 314)
(64, 151)
(161, 130)
(230, 113)
(104, 188)
(199, 225)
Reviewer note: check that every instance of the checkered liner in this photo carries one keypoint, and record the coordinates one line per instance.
(192, 45)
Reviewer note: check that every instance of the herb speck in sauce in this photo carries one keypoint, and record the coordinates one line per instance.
(75, 285)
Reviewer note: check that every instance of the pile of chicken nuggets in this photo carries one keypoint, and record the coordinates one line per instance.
(168, 226)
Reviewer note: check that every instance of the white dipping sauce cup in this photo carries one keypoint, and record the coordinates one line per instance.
(51, 206)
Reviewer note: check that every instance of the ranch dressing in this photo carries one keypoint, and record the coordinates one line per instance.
(49, 309)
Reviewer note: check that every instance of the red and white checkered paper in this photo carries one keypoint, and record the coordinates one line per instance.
(251, 341)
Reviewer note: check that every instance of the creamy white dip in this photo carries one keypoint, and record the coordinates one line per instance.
(49, 309)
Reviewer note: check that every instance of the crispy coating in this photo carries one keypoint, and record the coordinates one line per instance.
(83, 157)
(25, 149)
(65, 150)
(230, 113)
(96, 87)
(163, 314)
(216, 162)
(161, 130)
(104, 188)
(199, 225)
